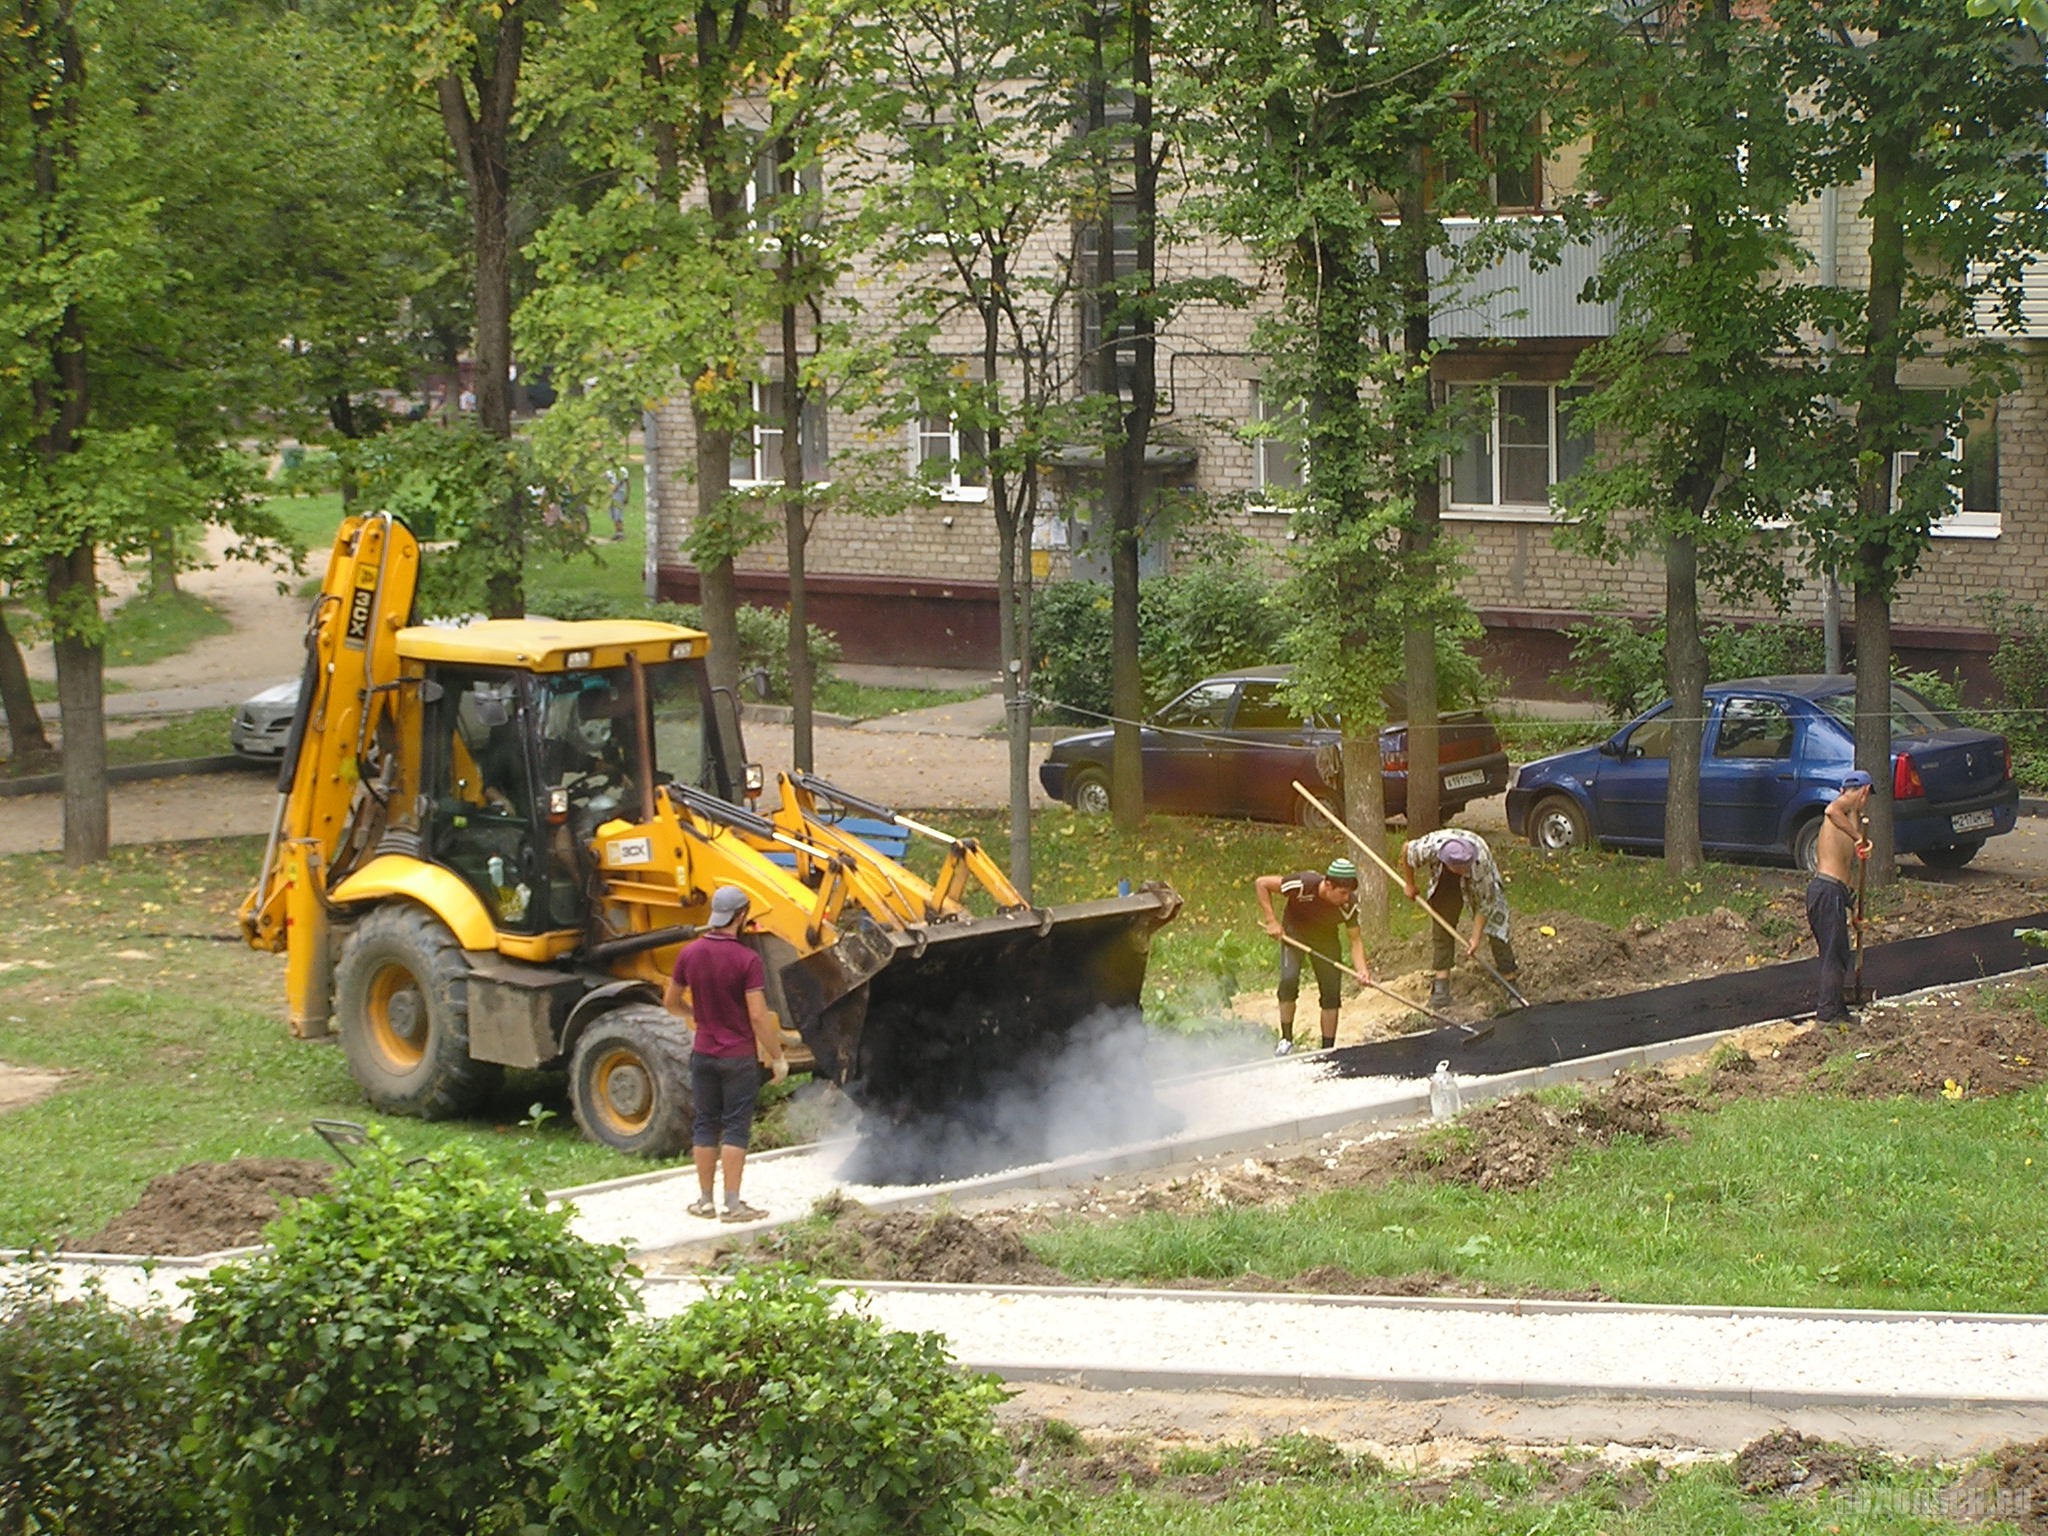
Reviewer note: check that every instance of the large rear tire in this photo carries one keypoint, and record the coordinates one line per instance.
(1955, 856)
(629, 1081)
(402, 997)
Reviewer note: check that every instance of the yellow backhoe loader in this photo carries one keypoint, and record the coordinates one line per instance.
(491, 841)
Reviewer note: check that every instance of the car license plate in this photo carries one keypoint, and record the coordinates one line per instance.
(1478, 776)
(1972, 821)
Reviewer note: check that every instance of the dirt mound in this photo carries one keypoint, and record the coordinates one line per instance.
(1977, 1044)
(1566, 957)
(849, 1242)
(1521, 1140)
(2020, 1478)
(204, 1207)
(1787, 1462)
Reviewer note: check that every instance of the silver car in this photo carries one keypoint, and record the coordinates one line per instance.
(262, 723)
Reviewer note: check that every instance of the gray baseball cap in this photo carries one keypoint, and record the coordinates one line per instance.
(727, 903)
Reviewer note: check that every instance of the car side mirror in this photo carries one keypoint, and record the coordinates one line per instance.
(1611, 747)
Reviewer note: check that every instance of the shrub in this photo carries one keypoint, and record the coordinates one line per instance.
(392, 1362)
(1208, 619)
(762, 1409)
(1620, 662)
(2021, 666)
(93, 1403)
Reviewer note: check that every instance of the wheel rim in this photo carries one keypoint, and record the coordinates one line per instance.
(622, 1091)
(1555, 830)
(1091, 798)
(397, 1018)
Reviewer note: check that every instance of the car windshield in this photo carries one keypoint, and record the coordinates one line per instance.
(1911, 714)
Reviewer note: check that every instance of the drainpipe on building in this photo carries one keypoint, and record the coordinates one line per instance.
(650, 500)
(1831, 589)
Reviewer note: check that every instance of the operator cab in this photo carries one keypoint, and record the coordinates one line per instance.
(521, 761)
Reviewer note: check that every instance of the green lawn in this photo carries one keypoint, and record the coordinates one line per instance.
(869, 701)
(1297, 1485)
(203, 733)
(148, 628)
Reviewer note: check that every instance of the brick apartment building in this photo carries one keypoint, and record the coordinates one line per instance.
(920, 586)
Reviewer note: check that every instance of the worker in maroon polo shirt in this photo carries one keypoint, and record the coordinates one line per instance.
(719, 986)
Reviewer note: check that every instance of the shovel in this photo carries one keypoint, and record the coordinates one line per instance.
(1388, 870)
(1857, 996)
(1472, 1031)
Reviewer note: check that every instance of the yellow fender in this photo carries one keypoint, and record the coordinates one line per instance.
(441, 891)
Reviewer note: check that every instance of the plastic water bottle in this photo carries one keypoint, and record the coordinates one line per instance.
(1444, 1098)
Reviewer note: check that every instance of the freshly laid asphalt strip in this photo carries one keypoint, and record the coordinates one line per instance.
(1550, 1033)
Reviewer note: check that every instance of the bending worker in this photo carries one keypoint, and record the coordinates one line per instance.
(1841, 843)
(1458, 869)
(1315, 909)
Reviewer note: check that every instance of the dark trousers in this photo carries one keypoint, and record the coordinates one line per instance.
(1447, 899)
(1827, 914)
(724, 1090)
(1329, 983)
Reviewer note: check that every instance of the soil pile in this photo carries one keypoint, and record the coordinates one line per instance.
(849, 1242)
(1521, 1140)
(205, 1207)
(1566, 957)
(2020, 1482)
(1787, 1462)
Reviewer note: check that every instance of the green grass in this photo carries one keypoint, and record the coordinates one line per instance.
(1499, 1498)
(1217, 949)
(203, 733)
(309, 521)
(866, 701)
(1790, 1202)
(149, 628)
(132, 977)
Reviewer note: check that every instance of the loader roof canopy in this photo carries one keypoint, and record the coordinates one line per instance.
(551, 645)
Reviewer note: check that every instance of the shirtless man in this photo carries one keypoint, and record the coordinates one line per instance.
(1841, 843)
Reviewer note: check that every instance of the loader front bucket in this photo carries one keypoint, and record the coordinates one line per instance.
(963, 1009)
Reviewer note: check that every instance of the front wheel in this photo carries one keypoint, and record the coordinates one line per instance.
(1557, 823)
(1954, 856)
(401, 994)
(629, 1081)
(1089, 792)
(1806, 845)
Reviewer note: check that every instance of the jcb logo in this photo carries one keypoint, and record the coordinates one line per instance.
(360, 605)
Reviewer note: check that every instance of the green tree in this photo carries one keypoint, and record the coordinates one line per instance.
(1712, 377)
(1947, 117)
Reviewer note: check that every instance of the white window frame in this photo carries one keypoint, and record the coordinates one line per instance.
(1496, 510)
(766, 461)
(952, 487)
(1264, 408)
(1963, 523)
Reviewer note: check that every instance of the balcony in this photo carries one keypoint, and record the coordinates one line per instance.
(1518, 298)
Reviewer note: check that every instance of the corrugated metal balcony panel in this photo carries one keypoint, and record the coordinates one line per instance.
(2033, 324)
(1516, 299)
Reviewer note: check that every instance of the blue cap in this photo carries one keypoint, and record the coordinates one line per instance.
(1855, 778)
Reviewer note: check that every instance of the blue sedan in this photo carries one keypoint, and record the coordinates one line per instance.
(1772, 756)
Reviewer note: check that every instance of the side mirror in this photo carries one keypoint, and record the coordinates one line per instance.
(758, 681)
(1611, 747)
(755, 779)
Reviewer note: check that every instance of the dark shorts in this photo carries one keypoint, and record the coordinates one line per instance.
(724, 1090)
(1329, 983)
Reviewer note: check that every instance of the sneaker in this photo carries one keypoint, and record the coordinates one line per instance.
(704, 1206)
(1284, 1048)
(739, 1210)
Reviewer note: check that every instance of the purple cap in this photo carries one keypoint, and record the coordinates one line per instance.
(1855, 778)
(1456, 853)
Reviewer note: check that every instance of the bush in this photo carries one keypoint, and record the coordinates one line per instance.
(761, 1410)
(1621, 662)
(93, 1403)
(392, 1362)
(1208, 619)
(2021, 666)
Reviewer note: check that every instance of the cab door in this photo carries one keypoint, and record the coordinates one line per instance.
(1748, 772)
(1186, 757)
(1269, 748)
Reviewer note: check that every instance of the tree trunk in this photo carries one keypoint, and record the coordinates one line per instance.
(28, 743)
(72, 589)
(163, 563)
(1424, 492)
(796, 533)
(1685, 676)
(1013, 590)
(482, 143)
(717, 590)
(1874, 718)
(1365, 812)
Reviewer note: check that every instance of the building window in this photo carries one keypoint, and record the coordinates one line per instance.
(765, 192)
(757, 450)
(1519, 442)
(1973, 481)
(952, 458)
(1277, 453)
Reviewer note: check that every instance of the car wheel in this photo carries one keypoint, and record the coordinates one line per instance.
(1557, 823)
(1088, 792)
(1306, 815)
(629, 1082)
(1955, 856)
(1806, 845)
(401, 995)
